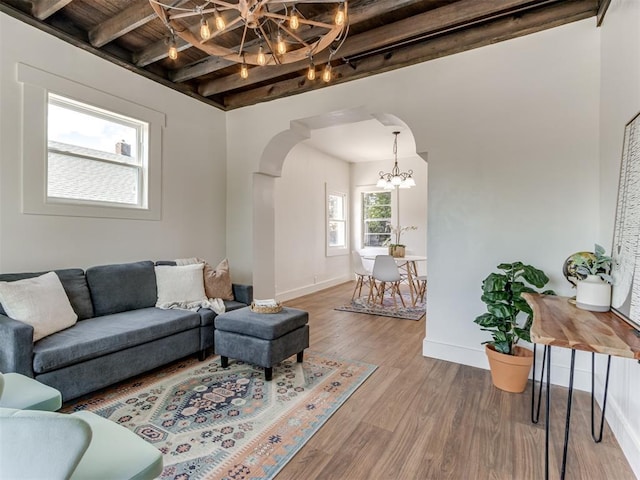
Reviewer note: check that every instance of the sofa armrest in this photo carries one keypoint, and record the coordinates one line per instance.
(243, 293)
(16, 346)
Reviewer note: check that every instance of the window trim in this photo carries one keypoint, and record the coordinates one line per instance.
(139, 163)
(37, 84)
(332, 251)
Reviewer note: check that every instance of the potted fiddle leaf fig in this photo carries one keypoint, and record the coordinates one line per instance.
(508, 319)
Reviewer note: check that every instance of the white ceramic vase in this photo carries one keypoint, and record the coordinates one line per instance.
(593, 294)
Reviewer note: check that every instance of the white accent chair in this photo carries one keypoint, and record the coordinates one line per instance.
(363, 276)
(83, 445)
(386, 277)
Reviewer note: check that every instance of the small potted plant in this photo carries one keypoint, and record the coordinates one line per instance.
(593, 292)
(509, 319)
(398, 249)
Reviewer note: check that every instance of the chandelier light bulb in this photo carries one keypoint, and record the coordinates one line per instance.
(326, 73)
(281, 47)
(220, 25)
(341, 15)
(205, 32)
(173, 50)
(294, 20)
(388, 186)
(381, 182)
(311, 72)
(410, 182)
(262, 58)
(244, 71)
(396, 180)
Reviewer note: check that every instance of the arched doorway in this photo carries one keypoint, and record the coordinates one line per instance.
(270, 169)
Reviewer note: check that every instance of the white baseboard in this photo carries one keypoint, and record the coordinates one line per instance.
(477, 358)
(308, 289)
(626, 437)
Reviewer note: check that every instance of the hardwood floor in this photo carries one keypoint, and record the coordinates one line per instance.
(421, 418)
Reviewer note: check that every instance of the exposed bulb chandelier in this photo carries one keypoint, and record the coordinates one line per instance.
(271, 32)
(396, 178)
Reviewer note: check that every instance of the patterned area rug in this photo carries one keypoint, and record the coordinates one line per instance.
(215, 423)
(387, 309)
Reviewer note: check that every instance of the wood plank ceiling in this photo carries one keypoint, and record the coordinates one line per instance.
(384, 35)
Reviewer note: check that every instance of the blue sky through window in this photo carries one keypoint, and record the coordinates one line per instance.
(70, 126)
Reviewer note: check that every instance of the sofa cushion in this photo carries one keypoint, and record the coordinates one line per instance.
(230, 305)
(110, 333)
(74, 284)
(40, 302)
(122, 287)
(207, 316)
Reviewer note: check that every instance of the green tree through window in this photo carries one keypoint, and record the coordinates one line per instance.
(376, 218)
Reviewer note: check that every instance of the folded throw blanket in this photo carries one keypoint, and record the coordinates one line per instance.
(215, 304)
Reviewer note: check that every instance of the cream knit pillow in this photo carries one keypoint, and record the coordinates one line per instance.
(41, 302)
(179, 284)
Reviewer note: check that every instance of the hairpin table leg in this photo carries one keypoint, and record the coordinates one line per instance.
(547, 409)
(535, 411)
(568, 421)
(598, 439)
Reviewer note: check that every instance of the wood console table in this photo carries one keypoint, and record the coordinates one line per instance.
(557, 322)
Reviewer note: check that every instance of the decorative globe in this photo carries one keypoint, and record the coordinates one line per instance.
(571, 263)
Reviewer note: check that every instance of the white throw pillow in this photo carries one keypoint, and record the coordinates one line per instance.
(41, 302)
(180, 284)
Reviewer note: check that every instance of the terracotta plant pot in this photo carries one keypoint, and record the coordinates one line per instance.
(510, 372)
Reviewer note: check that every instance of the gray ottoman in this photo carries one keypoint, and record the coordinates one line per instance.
(263, 339)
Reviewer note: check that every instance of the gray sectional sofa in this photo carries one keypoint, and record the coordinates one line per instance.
(120, 333)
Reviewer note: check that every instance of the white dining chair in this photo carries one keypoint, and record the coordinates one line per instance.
(386, 277)
(422, 287)
(363, 275)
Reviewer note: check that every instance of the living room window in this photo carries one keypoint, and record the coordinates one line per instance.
(376, 218)
(87, 153)
(337, 223)
(94, 155)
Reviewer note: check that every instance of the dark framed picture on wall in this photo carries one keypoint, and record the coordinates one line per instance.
(625, 299)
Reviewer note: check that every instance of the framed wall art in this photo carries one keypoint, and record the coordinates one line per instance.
(625, 270)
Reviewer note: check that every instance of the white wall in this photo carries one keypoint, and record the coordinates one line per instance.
(619, 103)
(301, 264)
(193, 168)
(512, 135)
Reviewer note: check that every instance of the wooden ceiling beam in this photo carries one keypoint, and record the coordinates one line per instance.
(359, 11)
(132, 17)
(602, 11)
(456, 15)
(496, 31)
(138, 13)
(43, 9)
(203, 67)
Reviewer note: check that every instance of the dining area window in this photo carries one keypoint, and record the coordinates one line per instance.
(376, 218)
(337, 228)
